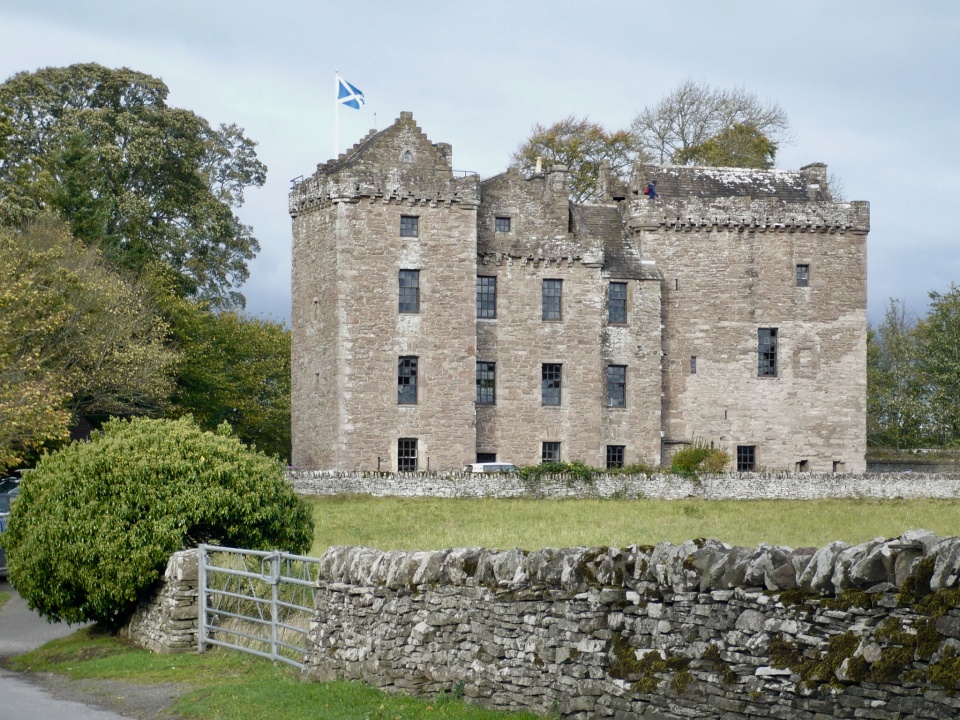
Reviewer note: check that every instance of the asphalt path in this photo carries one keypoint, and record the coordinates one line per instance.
(21, 630)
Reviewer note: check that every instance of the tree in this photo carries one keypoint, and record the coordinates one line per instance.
(939, 363)
(236, 369)
(76, 340)
(740, 145)
(695, 113)
(897, 409)
(148, 182)
(581, 146)
(96, 522)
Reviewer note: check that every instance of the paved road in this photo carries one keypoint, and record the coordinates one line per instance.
(22, 630)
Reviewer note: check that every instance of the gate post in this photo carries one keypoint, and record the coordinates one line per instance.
(202, 592)
(274, 601)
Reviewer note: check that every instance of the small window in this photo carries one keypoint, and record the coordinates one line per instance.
(803, 275)
(486, 457)
(803, 466)
(550, 452)
(486, 383)
(693, 364)
(407, 381)
(409, 291)
(839, 467)
(501, 224)
(767, 352)
(486, 297)
(551, 375)
(409, 226)
(617, 303)
(615, 456)
(746, 458)
(407, 455)
(616, 385)
(407, 156)
(551, 299)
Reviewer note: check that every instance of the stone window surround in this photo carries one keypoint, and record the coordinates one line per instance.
(616, 386)
(551, 384)
(502, 223)
(803, 275)
(407, 367)
(767, 352)
(487, 297)
(551, 300)
(746, 458)
(615, 456)
(407, 455)
(486, 383)
(617, 303)
(409, 291)
(550, 451)
(410, 226)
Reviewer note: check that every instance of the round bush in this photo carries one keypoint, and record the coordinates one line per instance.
(96, 522)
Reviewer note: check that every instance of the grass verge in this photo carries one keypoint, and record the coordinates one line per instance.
(4, 596)
(225, 684)
(435, 523)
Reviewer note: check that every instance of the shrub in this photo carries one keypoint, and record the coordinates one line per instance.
(699, 458)
(96, 522)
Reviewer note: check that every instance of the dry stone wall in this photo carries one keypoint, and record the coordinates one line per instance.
(733, 486)
(697, 630)
(168, 623)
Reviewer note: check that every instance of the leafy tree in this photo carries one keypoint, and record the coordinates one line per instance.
(739, 145)
(148, 182)
(695, 113)
(76, 339)
(96, 521)
(233, 368)
(581, 146)
(897, 408)
(939, 363)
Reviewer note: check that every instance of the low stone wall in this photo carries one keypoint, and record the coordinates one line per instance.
(170, 621)
(732, 486)
(698, 630)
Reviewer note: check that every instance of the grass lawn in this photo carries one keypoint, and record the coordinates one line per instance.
(4, 596)
(435, 523)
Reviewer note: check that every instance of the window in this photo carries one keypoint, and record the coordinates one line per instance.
(550, 452)
(409, 291)
(746, 458)
(552, 292)
(407, 381)
(616, 385)
(486, 457)
(693, 364)
(767, 352)
(409, 226)
(803, 466)
(803, 275)
(617, 303)
(486, 383)
(839, 467)
(407, 156)
(615, 456)
(501, 224)
(407, 455)
(486, 297)
(550, 379)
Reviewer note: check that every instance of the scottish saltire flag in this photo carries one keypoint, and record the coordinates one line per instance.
(348, 95)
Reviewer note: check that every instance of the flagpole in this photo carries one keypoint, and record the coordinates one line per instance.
(336, 114)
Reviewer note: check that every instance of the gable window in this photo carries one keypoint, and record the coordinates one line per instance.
(409, 291)
(501, 224)
(407, 455)
(550, 380)
(486, 297)
(616, 385)
(550, 452)
(767, 352)
(803, 276)
(407, 381)
(486, 383)
(407, 156)
(551, 299)
(746, 458)
(615, 456)
(617, 303)
(409, 226)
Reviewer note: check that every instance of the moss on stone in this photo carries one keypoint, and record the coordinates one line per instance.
(917, 585)
(946, 671)
(681, 681)
(849, 598)
(893, 661)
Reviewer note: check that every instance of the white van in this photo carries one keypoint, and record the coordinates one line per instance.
(491, 467)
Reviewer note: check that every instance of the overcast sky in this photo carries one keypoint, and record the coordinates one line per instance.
(871, 88)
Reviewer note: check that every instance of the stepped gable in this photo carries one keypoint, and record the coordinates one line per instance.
(710, 183)
(601, 227)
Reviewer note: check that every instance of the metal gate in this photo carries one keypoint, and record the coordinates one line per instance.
(256, 602)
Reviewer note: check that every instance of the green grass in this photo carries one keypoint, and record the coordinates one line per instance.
(4, 596)
(435, 523)
(227, 684)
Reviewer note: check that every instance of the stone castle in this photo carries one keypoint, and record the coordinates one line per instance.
(440, 319)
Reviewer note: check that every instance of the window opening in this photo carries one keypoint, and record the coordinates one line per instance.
(617, 303)
(552, 295)
(803, 466)
(550, 452)
(693, 364)
(407, 455)
(767, 352)
(486, 297)
(409, 226)
(746, 458)
(486, 457)
(486, 383)
(803, 275)
(409, 291)
(550, 382)
(616, 385)
(407, 381)
(501, 224)
(407, 156)
(615, 456)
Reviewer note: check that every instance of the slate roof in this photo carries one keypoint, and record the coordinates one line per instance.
(678, 181)
(602, 226)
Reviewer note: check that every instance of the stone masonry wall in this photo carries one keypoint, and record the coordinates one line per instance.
(169, 622)
(732, 486)
(697, 630)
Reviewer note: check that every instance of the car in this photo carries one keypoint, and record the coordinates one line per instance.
(9, 483)
(491, 467)
(8, 497)
(3, 553)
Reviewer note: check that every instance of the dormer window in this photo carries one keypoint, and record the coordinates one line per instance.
(407, 156)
